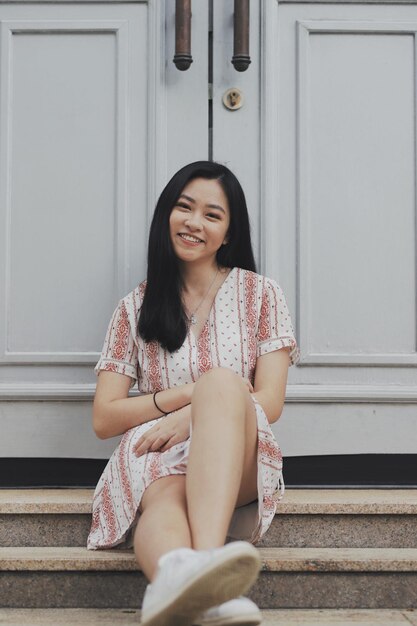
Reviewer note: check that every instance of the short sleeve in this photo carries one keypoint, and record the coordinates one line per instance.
(120, 352)
(275, 329)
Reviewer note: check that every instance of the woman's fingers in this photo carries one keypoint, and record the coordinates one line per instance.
(143, 444)
(171, 442)
(151, 441)
(159, 441)
(170, 430)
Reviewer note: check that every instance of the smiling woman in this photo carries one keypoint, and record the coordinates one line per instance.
(209, 342)
(202, 226)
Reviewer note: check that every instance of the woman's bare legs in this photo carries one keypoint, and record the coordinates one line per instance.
(195, 510)
(222, 464)
(163, 523)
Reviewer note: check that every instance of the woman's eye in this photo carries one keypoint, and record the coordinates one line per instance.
(184, 206)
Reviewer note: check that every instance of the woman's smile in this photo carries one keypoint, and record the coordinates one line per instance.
(189, 242)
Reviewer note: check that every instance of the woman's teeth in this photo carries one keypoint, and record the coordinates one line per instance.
(190, 238)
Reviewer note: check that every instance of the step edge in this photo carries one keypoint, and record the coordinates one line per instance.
(85, 508)
(273, 559)
(295, 502)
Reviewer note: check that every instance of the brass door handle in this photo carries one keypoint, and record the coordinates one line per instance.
(183, 58)
(241, 58)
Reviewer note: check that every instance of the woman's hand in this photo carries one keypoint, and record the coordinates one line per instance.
(170, 430)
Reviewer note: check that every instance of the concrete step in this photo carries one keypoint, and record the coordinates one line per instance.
(130, 617)
(345, 518)
(273, 559)
(290, 578)
(306, 517)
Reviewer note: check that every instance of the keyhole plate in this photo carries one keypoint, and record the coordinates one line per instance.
(233, 99)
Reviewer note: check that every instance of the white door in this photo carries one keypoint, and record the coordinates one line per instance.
(324, 145)
(95, 118)
(86, 99)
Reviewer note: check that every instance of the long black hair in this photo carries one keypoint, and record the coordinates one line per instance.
(162, 316)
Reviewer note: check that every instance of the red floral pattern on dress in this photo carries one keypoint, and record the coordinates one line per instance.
(110, 367)
(268, 449)
(108, 512)
(125, 474)
(249, 317)
(204, 351)
(154, 467)
(120, 353)
(119, 347)
(264, 326)
(154, 366)
(251, 321)
(275, 329)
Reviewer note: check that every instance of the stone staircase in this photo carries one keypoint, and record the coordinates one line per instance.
(331, 557)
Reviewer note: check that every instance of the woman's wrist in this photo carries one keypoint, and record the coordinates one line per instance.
(172, 399)
(157, 405)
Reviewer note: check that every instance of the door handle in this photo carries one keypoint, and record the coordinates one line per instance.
(241, 58)
(182, 57)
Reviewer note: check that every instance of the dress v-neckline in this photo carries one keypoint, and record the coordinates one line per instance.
(197, 339)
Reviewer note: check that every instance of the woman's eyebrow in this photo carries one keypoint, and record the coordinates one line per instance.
(213, 206)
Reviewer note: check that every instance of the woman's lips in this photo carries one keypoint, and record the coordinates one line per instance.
(190, 243)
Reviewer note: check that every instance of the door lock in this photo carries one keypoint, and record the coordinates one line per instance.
(233, 99)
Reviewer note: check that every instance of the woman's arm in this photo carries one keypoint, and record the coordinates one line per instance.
(114, 412)
(271, 375)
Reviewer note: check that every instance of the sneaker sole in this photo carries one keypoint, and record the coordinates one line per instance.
(251, 619)
(218, 582)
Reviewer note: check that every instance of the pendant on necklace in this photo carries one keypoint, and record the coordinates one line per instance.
(193, 319)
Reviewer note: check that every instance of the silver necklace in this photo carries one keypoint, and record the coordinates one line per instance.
(192, 319)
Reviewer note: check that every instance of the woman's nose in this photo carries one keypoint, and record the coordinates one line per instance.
(193, 221)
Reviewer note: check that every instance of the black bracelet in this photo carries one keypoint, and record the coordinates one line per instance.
(156, 404)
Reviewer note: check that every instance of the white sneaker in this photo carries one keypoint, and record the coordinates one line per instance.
(238, 612)
(188, 582)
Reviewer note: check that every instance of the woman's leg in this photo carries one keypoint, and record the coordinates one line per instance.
(163, 523)
(222, 464)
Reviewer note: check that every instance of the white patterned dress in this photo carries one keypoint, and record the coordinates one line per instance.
(249, 317)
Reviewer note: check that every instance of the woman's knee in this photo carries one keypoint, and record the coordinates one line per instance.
(220, 378)
(219, 382)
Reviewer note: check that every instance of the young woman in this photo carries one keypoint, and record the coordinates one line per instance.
(209, 342)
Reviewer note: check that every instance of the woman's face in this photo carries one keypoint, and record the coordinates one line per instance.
(193, 215)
